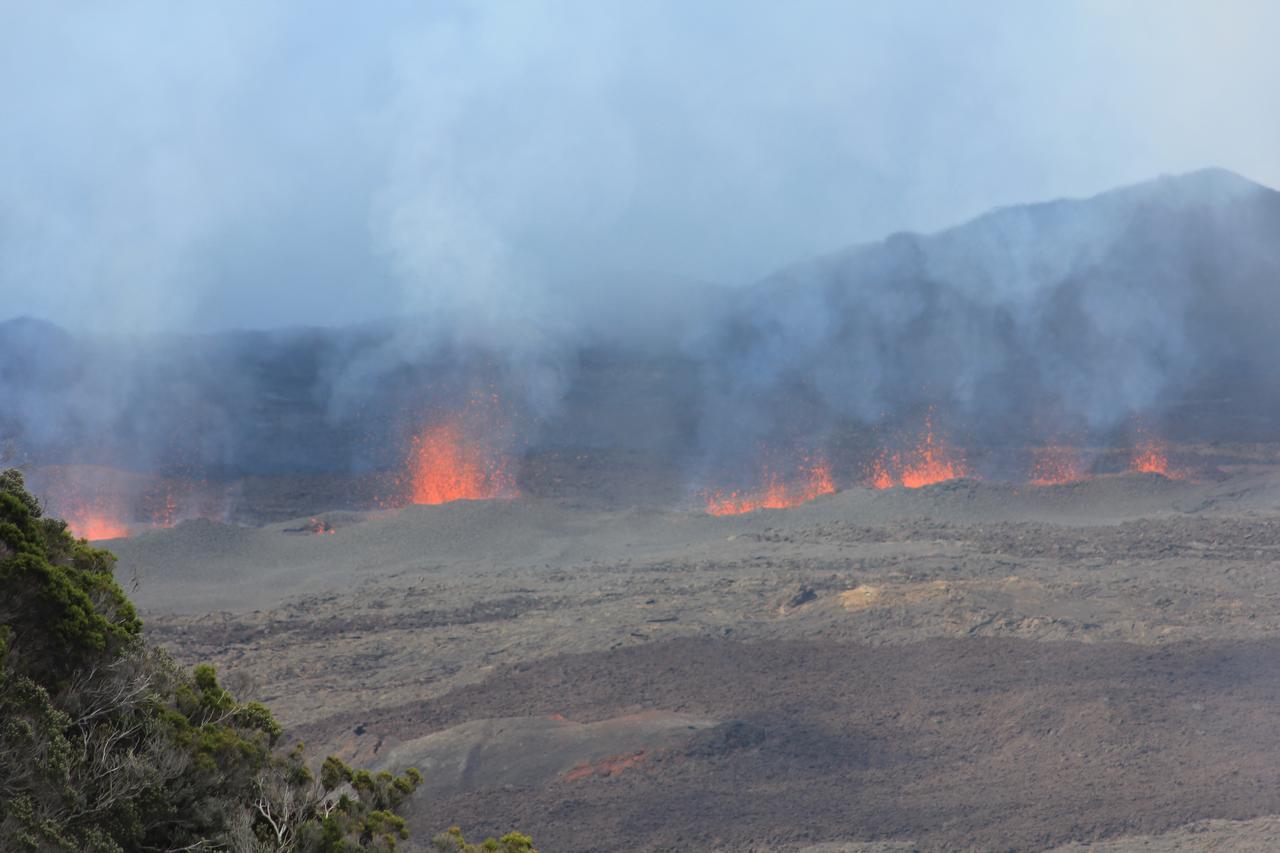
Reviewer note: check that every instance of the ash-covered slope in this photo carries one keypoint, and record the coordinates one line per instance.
(1030, 321)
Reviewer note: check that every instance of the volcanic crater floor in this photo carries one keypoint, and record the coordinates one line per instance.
(963, 666)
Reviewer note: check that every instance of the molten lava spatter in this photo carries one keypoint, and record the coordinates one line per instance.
(811, 480)
(447, 464)
(94, 517)
(879, 476)
(930, 461)
(166, 510)
(1151, 457)
(1057, 466)
(95, 527)
(92, 499)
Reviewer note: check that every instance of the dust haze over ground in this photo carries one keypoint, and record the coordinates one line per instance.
(975, 310)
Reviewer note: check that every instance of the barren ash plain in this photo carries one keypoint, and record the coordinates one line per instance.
(961, 665)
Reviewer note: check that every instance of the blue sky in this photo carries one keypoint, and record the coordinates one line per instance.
(214, 165)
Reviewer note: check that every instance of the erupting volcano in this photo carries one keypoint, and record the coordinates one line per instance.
(448, 462)
(930, 461)
(812, 480)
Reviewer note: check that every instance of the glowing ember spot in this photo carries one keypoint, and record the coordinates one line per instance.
(1057, 466)
(164, 514)
(1151, 457)
(447, 465)
(930, 461)
(813, 480)
(320, 527)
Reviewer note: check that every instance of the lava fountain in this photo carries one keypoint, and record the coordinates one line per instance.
(1150, 456)
(95, 526)
(91, 499)
(811, 480)
(930, 461)
(448, 461)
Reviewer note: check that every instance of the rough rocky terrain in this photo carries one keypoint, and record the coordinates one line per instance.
(965, 666)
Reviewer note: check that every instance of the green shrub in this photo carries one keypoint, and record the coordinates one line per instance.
(107, 745)
(452, 841)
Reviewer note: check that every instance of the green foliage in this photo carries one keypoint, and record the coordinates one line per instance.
(62, 604)
(452, 841)
(107, 745)
(11, 483)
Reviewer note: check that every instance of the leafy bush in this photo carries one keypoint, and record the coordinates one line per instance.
(107, 745)
(453, 842)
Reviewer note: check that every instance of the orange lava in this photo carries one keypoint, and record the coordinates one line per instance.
(1057, 466)
(164, 514)
(880, 478)
(930, 461)
(447, 464)
(91, 499)
(94, 526)
(1151, 457)
(813, 479)
(610, 766)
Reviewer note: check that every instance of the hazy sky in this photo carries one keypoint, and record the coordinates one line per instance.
(206, 165)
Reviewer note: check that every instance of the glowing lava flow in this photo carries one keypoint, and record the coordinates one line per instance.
(446, 466)
(930, 461)
(1057, 466)
(814, 480)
